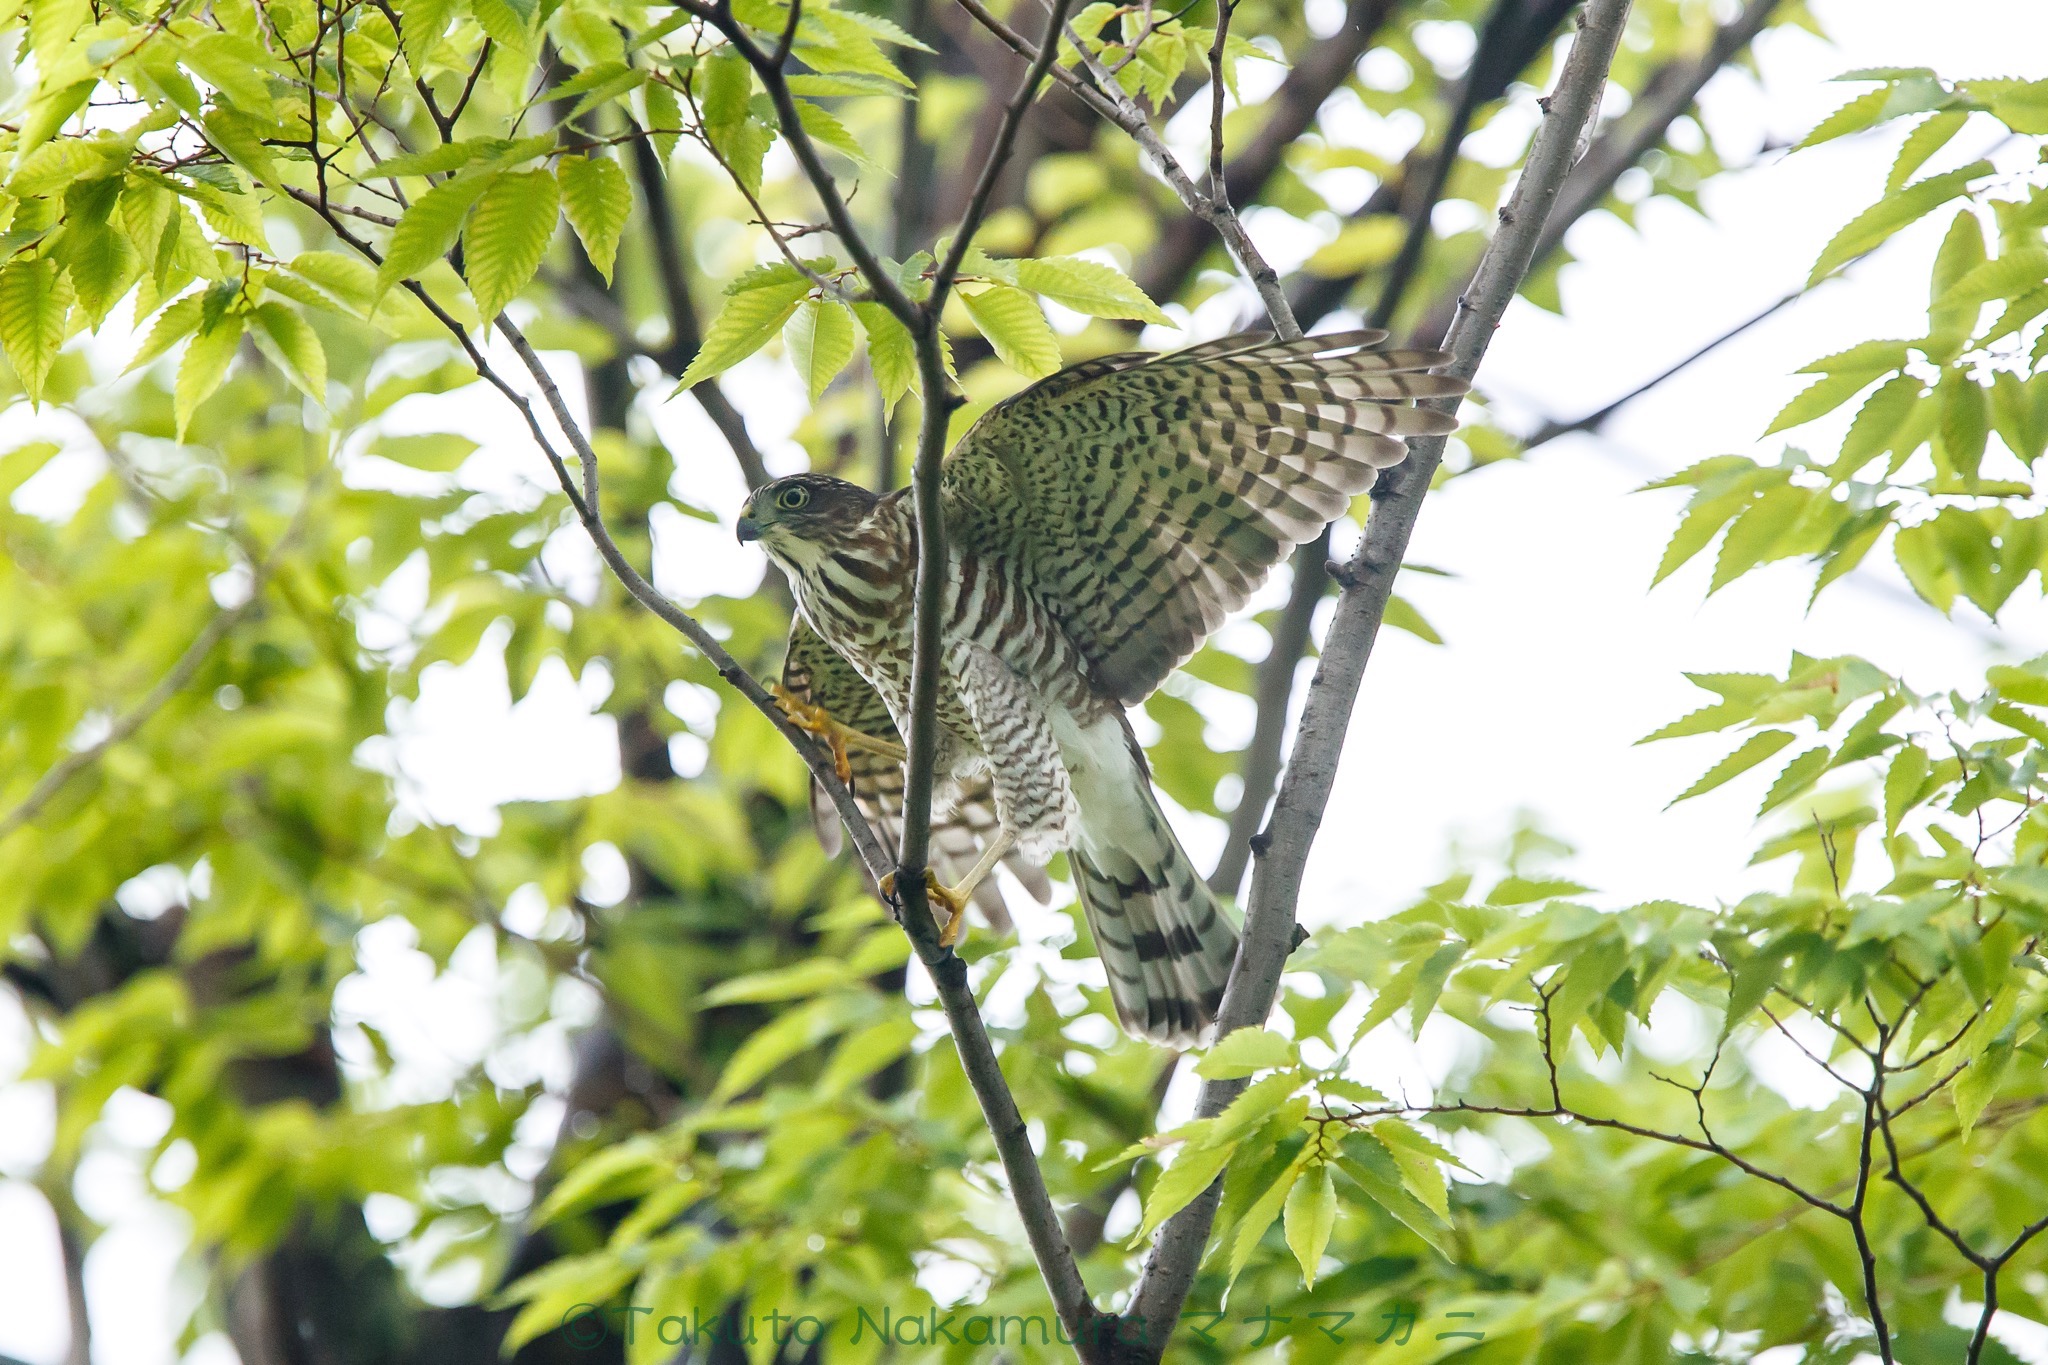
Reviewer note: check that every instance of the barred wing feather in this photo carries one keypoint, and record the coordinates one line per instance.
(1145, 497)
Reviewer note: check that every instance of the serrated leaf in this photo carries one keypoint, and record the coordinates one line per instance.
(426, 23)
(826, 130)
(1194, 1169)
(1817, 399)
(347, 280)
(1801, 773)
(1016, 328)
(1924, 141)
(820, 341)
(1088, 287)
(598, 200)
(1311, 1212)
(1244, 1051)
(1979, 1081)
(507, 236)
(294, 347)
(1877, 422)
(1752, 751)
(1368, 1162)
(1417, 1157)
(1251, 1229)
(172, 326)
(1857, 114)
(428, 229)
(1878, 222)
(1902, 783)
(35, 309)
(205, 364)
(892, 353)
(744, 325)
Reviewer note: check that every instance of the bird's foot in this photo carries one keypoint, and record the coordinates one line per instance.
(952, 899)
(815, 720)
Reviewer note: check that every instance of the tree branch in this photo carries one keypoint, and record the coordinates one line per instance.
(1310, 82)
(686, 336)
(173, 682)
(1369, 580)
(1622, 143)
(1102, 94)
(1056, 1264)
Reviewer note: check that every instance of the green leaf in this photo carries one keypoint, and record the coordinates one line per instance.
(1979, 1081)
(426, 23)
(744, 324)
(1753, 751)
(1818, 399)
(172, 326)
(1801, 773)
(1244, 1051)
(35, 310)
(826, 129)
(1016, 328)
(1876, 423)
(1903, 782)
(1418, 1159)
(1878, 222)
(294, 347)
(1194, 1169)
(1965, 422)
(1088, 287)
(1857, 114)
(204, 366)
(1311, 1212)
(664, 118)
(1251, 1229)
(507, 236)
(892, 354)
(428, 229)
(1760, 533)
(439, 452)
(347, 280)
(1368, 1162)
(820, 341)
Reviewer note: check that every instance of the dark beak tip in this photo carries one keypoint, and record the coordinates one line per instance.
(748, 529)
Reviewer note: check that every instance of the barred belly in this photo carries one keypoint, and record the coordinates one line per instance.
(855, 594)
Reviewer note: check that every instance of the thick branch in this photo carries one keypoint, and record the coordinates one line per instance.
(1369, 582)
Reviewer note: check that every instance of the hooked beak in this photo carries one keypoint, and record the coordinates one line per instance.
(748, 529)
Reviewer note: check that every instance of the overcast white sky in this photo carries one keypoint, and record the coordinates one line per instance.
(1558, 655)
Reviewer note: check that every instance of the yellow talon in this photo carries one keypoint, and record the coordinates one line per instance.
(954, 899)
(813, 719)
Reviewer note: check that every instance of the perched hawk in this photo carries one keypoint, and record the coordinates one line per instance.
(1099, 526)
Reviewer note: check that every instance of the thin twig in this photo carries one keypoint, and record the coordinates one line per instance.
(174, 680)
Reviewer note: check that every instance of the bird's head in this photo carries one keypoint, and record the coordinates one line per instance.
(798, 517)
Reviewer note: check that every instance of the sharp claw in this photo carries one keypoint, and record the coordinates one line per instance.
(815, 720)
(956, 921)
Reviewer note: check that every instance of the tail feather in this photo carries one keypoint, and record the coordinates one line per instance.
(1166, 943)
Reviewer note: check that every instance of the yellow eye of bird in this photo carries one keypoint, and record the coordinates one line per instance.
(789, 499)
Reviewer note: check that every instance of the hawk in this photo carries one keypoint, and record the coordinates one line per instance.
(1099, 525)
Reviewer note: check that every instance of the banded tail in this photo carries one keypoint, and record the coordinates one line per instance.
(1166, 943)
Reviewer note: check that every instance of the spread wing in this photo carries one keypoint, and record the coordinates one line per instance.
(1145, 497)
(815, 672)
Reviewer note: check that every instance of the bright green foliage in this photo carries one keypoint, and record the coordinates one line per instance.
(279, 471)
